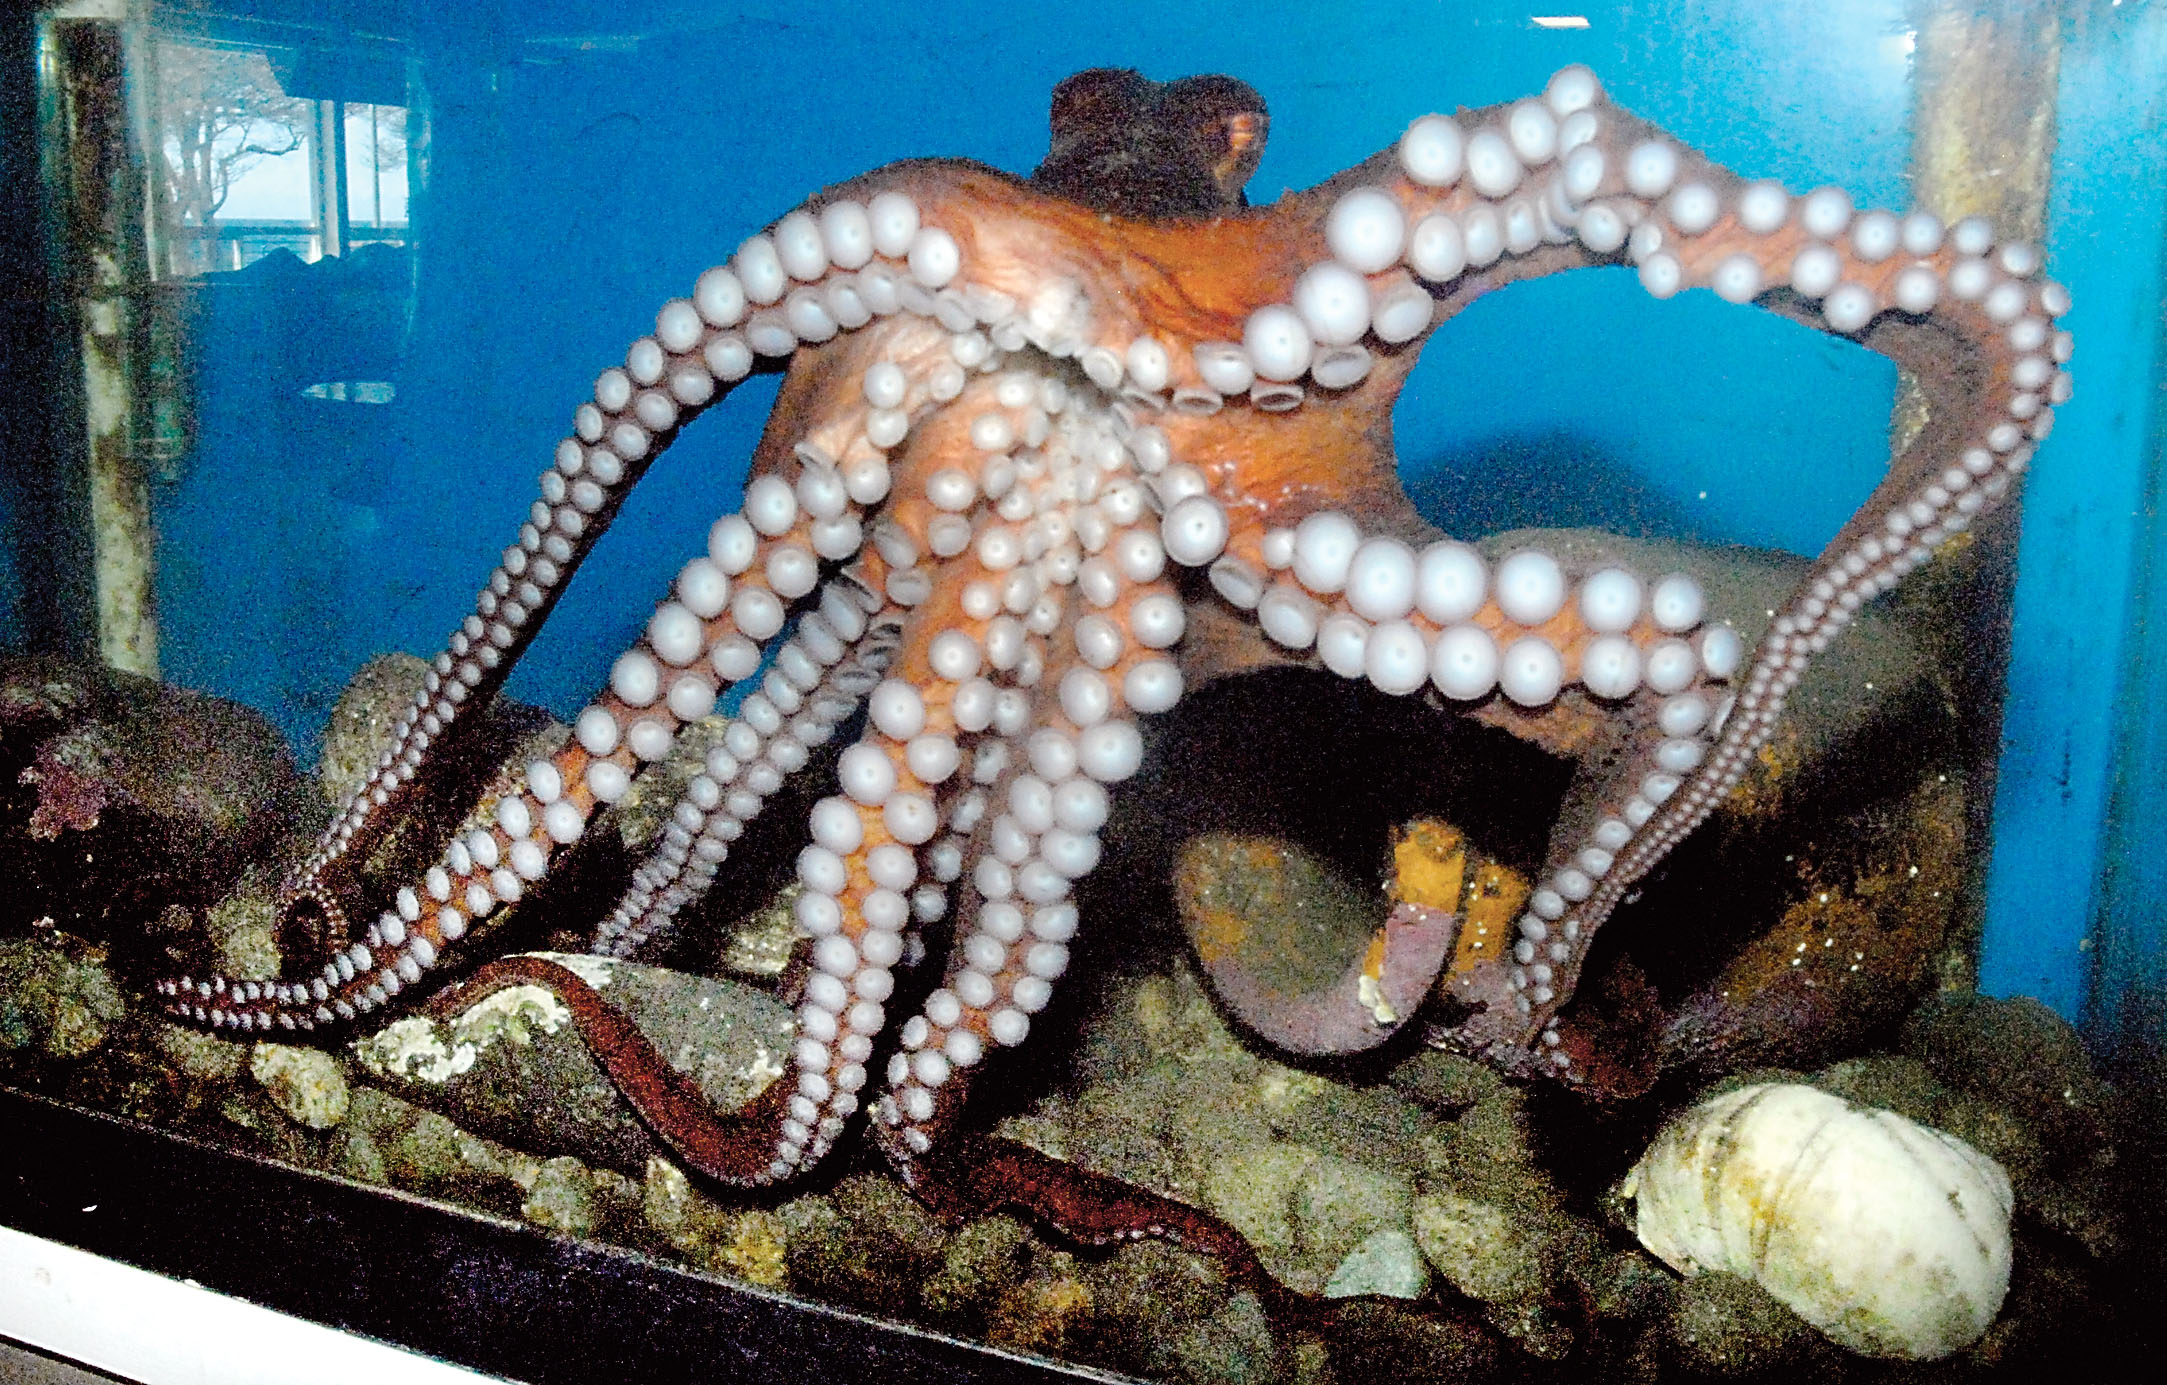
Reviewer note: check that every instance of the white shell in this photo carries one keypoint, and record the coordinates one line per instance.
(1889, 1236)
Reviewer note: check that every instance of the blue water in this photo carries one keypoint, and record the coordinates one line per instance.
(585, 162)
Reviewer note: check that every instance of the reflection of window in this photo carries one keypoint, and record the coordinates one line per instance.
(352, 391)
(376, 171)
(250, 169)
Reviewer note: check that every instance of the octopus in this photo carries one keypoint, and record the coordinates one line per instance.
(1048, 451)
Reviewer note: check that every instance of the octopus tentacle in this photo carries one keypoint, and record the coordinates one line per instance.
(977, 668)
(940, 732)
(820, 678)
(1468, 204)
(1507, 643)
(729, 1147)
(795, 287)
(1033, 830)
(666, 379)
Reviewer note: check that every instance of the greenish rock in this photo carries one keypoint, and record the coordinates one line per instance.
(363, 722)
(746, 1243)
(244, 929)
(375, 1122)
(562, 1198)
(356, 1155)
(434, 1156)
(1488, 1251)
(258, 1126)
(762, 943)
(1385, 1262)
(305, 1083)
(198, 1056)
(1129, 1128)
(2021, 1055)
(1339, 1204)
(1376, 1127)
(1231, 1347)
(1906, 1086)
(1379, 1340)
(1536, 1328)
(52, 1004)
(984, 1261)
(1730, 1327)
(1445, 1080)
(1491, 1140)
(868, 1242)
(1630, 1286)
(676, 1210)
(1254, 1189)
(1166, 1312)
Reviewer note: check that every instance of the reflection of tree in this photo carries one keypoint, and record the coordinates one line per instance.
(221, 113)
(387, 135)
(376, 139)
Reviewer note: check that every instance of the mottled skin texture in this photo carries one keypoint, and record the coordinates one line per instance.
(1071, 285)
(1132, 147)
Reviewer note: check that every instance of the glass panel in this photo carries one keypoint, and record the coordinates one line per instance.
(400, 259)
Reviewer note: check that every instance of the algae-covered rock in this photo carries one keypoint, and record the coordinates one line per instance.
(512, 1065)
(434, 1156)
(243, 929)
(561, 1197)
(2020, 1054)
(365, 720)
(1730, 1327)
(565, 1195)
(1304, 1167)
(1386, 1262)
(52, 1004)
(747, 1243)
(305, 1083)
(1380, 1341)
(200, 1056)
(984, 1261)
(1484, 1249)
(1168, 1313)
(868, 1243)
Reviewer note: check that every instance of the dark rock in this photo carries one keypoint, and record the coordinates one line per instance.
(121, 797)
(2023, 1055)
(1377, 1340)
(869, 1243)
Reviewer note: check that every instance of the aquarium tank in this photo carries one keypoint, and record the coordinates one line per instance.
(1206, 692)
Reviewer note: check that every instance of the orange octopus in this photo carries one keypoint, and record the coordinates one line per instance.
(1027, 430)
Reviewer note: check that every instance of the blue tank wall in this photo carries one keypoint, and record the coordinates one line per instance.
(585, 161)
(2082, 803)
